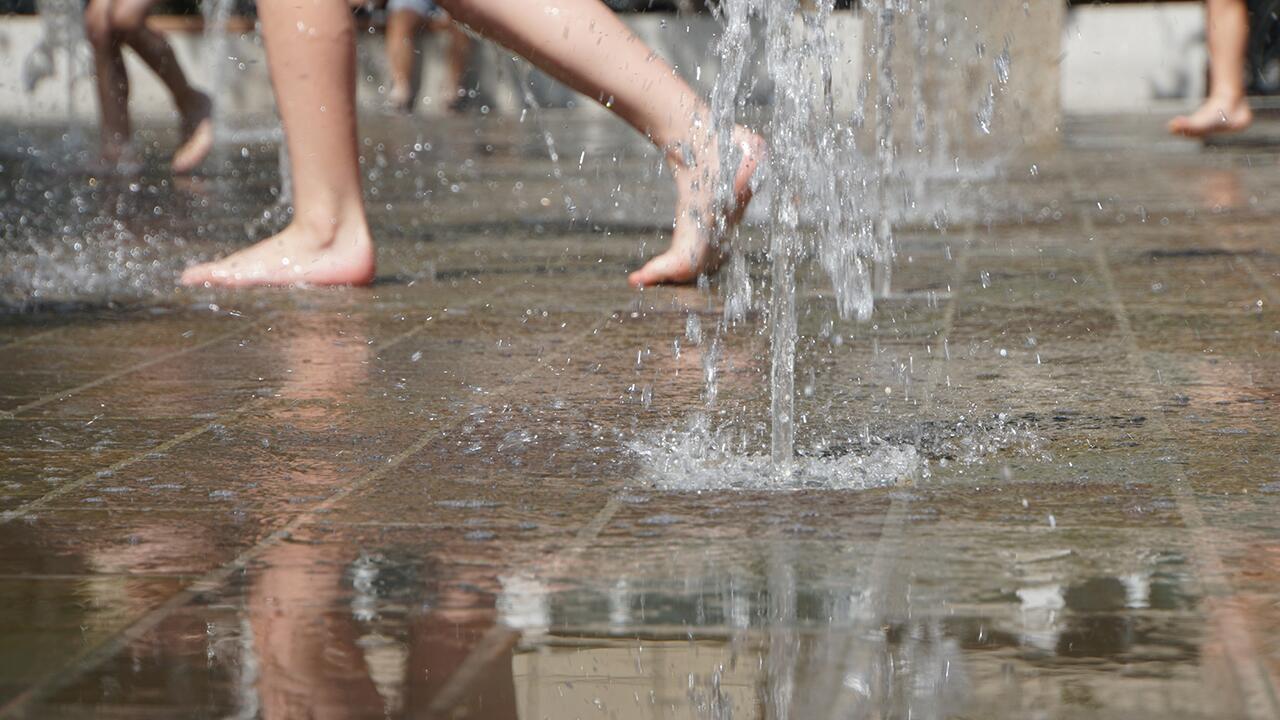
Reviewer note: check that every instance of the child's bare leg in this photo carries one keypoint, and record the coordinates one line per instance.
(311, 50)
(112, 81)
(403, 25)
(586, 46)
(1226, 109)
(457, 56)
(579, 41)
(193, 106)
(115, 23)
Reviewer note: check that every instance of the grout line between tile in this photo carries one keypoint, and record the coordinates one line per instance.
(44, 500)
(221, 420)
(34, 337)
(93, 656)
(1244, 663)
(498, 640)
(885, 576)
(1260, 279)
(64, 394)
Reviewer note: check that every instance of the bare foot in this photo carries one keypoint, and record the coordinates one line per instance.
(197, 134)
(1214, 116)
(400, 99)
(299, 255)
(118, 159)
(699, 226)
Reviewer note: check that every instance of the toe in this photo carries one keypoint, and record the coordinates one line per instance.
(1183, 126)
(193, 152)
(646, 276)
(667, 268)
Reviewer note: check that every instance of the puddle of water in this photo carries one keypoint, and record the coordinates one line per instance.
(699, 457)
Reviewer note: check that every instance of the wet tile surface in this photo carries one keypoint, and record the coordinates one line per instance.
(1043, 476)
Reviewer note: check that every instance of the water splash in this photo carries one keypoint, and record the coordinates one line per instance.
(813, 204)
(885, 20)
(702, 458)
(217, 17)
(62, 28)
(220, 61)
(838, 183)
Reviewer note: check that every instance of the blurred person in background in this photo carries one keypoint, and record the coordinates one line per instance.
(1226, 109)
(111, 25)
(405, 20)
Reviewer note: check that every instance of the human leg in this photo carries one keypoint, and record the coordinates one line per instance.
(457, 55)
(111, 80)
(1226, 109)
(586, 46)
(311, 51)
(112, 24)
(404, 22)
(581, 42)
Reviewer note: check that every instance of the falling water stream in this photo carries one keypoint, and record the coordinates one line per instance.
(837, 187)
(217, 16)
(809, 207)
(62, 27)
(218, 60)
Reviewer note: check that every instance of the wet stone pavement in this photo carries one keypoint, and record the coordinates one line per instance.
(1042, 481)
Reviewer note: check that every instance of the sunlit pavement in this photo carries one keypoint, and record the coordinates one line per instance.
(436, 497)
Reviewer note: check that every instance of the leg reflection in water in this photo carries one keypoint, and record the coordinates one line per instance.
(304, 636)
(313, 662)
(460, 656)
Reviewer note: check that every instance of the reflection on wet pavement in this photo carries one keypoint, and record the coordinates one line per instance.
(1042, 480)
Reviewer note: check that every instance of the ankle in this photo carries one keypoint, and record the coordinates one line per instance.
(324, 230)
(690, 146)
(1230, 99)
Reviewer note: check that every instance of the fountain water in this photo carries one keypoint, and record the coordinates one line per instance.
(838, 185)
(62, 25)
(220, 60)
(813, 207)
(217, 15)
(524, 77)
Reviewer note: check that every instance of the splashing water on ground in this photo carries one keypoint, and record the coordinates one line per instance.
(703, 457)
(808, 208)
(836, 188)
(700, 458)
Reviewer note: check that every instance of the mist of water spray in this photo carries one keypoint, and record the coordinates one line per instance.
(217, 16)
(62, 35)
(885, 18)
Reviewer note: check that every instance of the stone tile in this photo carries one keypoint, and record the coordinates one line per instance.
(152, 542)
(469, 459)
(50, 622)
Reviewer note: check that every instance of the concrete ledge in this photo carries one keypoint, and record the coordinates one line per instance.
(1133, 58)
